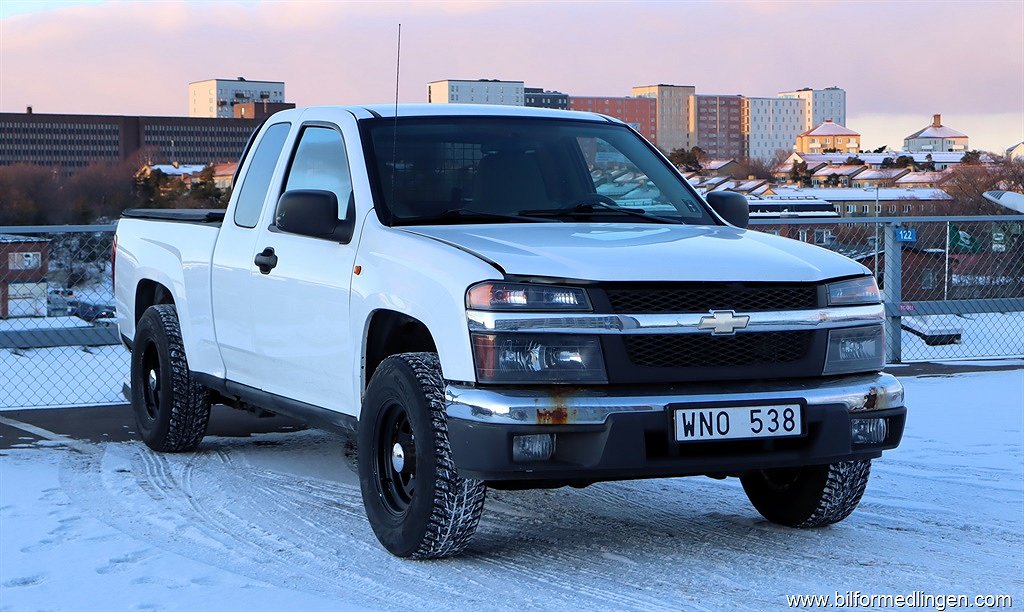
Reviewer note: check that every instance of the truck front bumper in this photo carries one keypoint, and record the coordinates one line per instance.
(615, 433)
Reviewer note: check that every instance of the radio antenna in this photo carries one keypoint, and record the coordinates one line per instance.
(394, 131)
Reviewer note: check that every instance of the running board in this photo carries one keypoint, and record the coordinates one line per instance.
(313, 416)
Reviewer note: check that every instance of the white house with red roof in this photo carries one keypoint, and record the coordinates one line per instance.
(935, 138)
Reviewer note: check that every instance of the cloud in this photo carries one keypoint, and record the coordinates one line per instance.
(910, 58)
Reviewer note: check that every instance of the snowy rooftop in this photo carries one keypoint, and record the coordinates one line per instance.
(715, 164)
(840, 170)
(180, 170)
(830, 129)
(874, 159)
(922, 177)
(937, 130)
(883, 174)
(850, 194)
(13, 238)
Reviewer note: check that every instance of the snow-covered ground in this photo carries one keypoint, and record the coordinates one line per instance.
(276, 522)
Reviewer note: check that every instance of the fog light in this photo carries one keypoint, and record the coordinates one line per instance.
(536, 447)
(868, 431)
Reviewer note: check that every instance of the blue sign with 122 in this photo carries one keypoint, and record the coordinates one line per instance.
(906, 234)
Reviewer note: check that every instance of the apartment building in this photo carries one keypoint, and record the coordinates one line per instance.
(771, 125)
(672, 113)
(480, 91)
(716, 125)
(218, 97)
(71, 142)
(821, 105)
(639, 113)
(538, 97)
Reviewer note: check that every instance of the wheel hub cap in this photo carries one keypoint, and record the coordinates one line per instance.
(398, 457)
(153, 380)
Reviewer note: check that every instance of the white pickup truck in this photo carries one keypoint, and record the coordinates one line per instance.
(509, 298)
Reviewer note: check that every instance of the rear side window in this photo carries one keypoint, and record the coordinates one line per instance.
(320, 162)
(257, 177)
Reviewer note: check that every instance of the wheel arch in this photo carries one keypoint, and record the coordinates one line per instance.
(150, 293)
(390, 332)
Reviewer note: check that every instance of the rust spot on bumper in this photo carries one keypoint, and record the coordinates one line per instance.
(560, 412)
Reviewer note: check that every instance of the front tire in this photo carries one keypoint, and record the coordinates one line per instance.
(416, 503)
(171, 409)
(811, 496)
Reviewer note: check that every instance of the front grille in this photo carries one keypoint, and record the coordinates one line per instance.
(702, 297)
(699, 351)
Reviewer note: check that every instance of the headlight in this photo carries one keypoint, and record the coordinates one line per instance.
(863, 290)
(531, 358)
(857, 349)
(517, 296)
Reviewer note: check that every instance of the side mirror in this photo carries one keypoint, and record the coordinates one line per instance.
(732, 206)
(314, 213)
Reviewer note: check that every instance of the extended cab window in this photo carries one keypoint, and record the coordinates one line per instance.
(320, 162)
(507, 169)
(256, 181)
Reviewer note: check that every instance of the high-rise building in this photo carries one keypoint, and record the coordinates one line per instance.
(217, 97)
(822, 105)
(935, 138)
(638, 113)
(481, 91)
(537, 97)
(771, 125)
(716, 125)
(672, 113)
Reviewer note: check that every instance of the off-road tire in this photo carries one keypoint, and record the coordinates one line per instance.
(811, 496)
(173, 417)
(443, 511)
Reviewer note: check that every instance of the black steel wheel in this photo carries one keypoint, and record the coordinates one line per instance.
(395, 471)
(417, 504)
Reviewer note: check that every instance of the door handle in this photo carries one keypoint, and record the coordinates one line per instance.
(266, 261)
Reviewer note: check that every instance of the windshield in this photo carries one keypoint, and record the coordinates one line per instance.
(508, 169)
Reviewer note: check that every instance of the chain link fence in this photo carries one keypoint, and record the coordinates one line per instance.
(953, 286)
(59, 344)
(954, 289)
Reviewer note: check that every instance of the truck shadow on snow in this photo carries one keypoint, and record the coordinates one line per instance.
(641, 519)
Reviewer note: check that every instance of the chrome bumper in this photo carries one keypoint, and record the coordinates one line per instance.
(591, 406)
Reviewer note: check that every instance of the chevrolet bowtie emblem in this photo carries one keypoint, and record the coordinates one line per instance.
(723, 322)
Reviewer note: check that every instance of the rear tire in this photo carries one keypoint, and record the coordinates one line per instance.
(416, 503)
(811, 496)
(171, 408)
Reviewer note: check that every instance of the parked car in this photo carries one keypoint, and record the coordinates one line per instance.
(452, 284)
(92, 312)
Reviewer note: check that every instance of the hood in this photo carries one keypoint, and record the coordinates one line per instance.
(643, 252)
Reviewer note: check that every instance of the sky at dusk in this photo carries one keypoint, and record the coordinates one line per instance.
(900, 62)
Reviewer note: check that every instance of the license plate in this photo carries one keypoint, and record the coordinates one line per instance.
(779, 421)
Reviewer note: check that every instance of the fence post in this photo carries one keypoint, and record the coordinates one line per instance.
(892, 293)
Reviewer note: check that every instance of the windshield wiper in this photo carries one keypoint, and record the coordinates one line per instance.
(599, 206)
(466, 213)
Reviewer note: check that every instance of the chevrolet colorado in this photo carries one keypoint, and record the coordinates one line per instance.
(509, 298)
